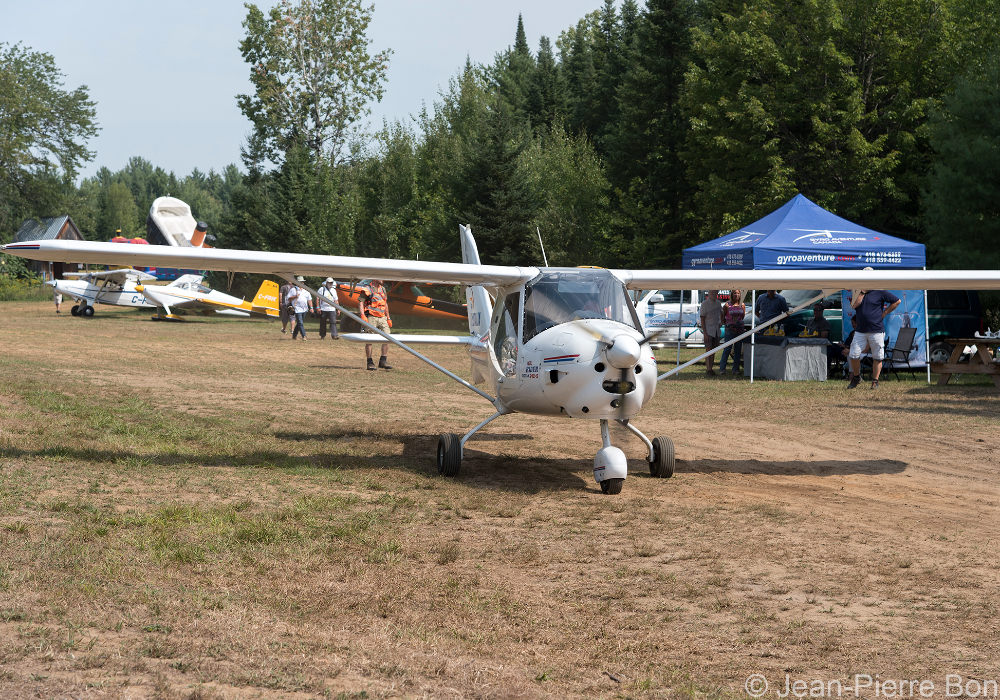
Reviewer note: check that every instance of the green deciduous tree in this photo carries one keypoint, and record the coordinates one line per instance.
(43, 134)
(312, 76)
(119, 213)
(775, 108)
(573, 218)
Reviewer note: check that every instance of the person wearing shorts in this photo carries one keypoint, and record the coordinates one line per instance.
(872, 306)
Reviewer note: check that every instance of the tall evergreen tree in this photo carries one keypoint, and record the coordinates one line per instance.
(962, 202)
(547, 99)
(514, 74)
(494, 193)
(643, 149)
(582, 80)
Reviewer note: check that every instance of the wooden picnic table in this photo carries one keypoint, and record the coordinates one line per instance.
(981, 362)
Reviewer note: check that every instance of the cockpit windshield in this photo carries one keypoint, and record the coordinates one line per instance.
(556, 297)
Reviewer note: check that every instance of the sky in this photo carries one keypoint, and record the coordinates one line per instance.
(165, 75)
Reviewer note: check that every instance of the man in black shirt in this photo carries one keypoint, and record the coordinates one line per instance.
(872, 306)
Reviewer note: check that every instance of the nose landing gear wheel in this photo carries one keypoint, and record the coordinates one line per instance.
(449, 454)
(612, 486)
(662, 465)
(75, 310)
(87, 311)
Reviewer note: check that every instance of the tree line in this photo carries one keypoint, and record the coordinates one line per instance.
(638, 132)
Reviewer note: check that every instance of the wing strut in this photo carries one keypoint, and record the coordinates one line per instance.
(779, 317)
(495, 401)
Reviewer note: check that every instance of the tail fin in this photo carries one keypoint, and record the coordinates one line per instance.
(478, 301)
(267, 298)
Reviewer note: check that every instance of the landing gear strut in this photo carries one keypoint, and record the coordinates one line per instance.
(450, 448)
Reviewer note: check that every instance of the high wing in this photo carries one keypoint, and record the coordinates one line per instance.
(343, 268)
(809, 279)
(113, 276)
(489, 275)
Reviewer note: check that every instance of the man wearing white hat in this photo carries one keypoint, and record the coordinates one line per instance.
(327, 312)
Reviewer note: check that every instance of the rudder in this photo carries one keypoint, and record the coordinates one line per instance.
(478, 304)
(267, 297)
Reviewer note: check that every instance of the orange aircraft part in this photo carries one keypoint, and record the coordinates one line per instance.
(404, 300)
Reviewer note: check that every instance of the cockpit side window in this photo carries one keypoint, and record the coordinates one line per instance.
(505, 334)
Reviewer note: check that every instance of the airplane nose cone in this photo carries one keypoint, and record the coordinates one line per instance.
(624, 353)
(139, 288)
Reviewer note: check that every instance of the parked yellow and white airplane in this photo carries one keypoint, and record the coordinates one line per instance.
(197, 297)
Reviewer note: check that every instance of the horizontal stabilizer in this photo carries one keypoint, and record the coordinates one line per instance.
(412, 339)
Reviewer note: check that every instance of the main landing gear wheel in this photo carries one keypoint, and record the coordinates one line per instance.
(87, 311)
(449, 455)
(662, 465)
(75, 310)
(612, 486)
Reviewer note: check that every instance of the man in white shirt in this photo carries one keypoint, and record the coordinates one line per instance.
(711, 321)
(328, 312)
(300, 301)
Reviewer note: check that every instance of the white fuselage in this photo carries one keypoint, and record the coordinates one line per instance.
(113, 294)
(564, 344)
(563, 372)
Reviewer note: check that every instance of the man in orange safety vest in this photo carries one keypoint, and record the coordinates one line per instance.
(373, 307)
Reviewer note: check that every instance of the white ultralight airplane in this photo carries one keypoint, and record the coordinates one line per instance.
(113, 287)
(560, 342)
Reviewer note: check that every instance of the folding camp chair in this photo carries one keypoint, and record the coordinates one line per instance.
(900, 352)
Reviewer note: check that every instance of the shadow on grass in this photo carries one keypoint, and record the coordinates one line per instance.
(480, 470)
(819, 467)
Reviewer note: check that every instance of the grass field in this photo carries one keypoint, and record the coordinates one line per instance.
(212, 510)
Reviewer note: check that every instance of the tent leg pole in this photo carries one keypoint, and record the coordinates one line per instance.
(753, 338)
(927, 339)
(680, 317)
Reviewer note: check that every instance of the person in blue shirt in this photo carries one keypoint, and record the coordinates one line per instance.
(770, 305)
(872, 305)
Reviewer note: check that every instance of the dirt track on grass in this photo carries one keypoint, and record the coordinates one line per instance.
(809, 532)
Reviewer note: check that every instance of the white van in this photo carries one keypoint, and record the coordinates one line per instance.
(673, 312)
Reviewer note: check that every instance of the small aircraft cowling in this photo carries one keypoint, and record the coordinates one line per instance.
(560, 342)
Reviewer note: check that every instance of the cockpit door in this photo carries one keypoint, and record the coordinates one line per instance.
(504, 335)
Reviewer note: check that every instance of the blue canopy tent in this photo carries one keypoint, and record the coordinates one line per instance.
(805, 236)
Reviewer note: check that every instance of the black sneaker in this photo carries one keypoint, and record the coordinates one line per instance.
(855, 380)
(383, 363)
(371, 364)
(874, 384)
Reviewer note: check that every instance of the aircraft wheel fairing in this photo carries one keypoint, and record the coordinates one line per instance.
(75, 310)
(449, 454)
(87, 311)
(612, 486)
(610, 463)
(662, 465)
